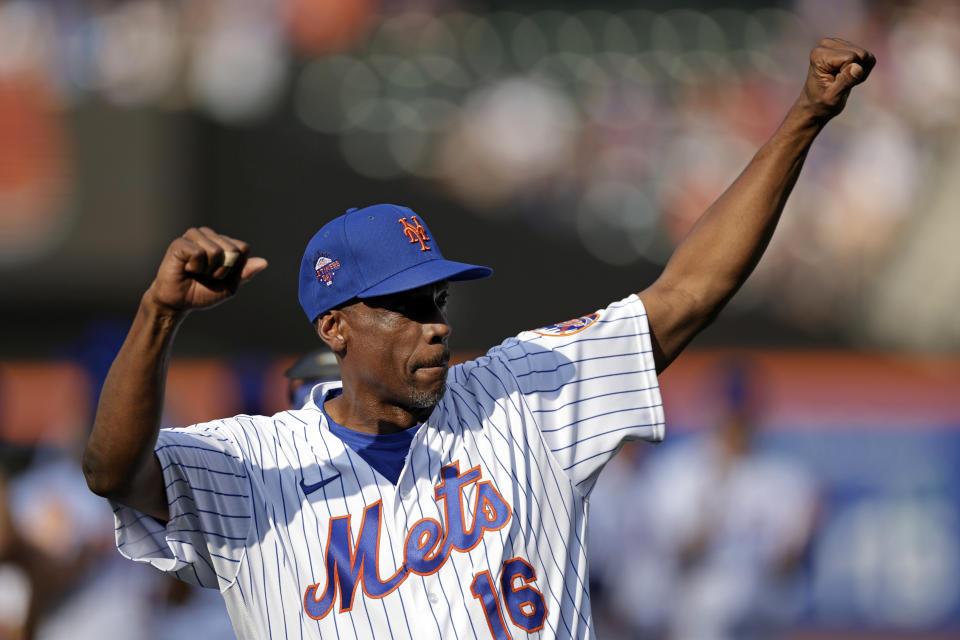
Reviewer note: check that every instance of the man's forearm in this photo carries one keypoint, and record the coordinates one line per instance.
(119, 455)
(726, 243)
(200, 269)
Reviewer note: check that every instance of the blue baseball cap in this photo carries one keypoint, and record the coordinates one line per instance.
(373, 251)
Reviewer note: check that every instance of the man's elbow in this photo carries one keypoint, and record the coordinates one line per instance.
(96, 480)
(687, 308)
(676, 314)
(100, 479)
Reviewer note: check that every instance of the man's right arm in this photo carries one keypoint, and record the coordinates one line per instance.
(199, 270)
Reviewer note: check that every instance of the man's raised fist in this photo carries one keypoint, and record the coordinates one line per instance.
(202, 268)
(835, 67)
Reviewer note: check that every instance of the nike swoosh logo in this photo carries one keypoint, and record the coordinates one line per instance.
(310, 488)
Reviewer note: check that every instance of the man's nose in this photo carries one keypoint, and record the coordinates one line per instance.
(438, 331)
(436, 328)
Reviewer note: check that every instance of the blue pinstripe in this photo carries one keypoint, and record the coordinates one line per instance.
(452, 560)
(578, 401)
(570, 363)
(436, 474)
(343, 493)
(191, 446)
(597, 435)
(600, 415)
(139, 518)
(213, 491)
(276, 555)
(256, 523)
(193, 466)
(286, 519)
(200, 555)
(492, 568)
(423, 580)
(540, 472)
(393, 559)
(582, 380)
(361, 485)
(529, 523)
(313, 578)
(596, 455)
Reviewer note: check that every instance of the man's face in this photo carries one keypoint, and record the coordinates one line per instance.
(397, 346)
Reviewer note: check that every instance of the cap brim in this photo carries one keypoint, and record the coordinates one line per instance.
(426, 273)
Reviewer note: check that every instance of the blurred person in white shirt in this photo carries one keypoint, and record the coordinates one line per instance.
(714, 531)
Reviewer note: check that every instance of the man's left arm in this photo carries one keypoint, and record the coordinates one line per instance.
(725, 244)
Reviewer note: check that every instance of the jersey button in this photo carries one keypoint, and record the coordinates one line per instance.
(433, 598)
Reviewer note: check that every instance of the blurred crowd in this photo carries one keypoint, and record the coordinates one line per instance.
(61, 575)
(614, 126)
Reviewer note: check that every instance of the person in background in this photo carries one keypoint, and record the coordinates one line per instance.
(714, 551)
(312, 369)
(59, 575)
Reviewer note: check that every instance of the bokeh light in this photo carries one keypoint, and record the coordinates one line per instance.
(494, 107)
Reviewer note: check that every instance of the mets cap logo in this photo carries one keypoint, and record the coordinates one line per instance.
(326, 267)
(568, 327)
(415, 232)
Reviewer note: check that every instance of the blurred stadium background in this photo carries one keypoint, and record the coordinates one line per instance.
(569, 145)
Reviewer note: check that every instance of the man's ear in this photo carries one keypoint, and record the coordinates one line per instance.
(333, 330)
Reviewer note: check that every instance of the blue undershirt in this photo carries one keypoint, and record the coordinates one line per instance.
(386, 452)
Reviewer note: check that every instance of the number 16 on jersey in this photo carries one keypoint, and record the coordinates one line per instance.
(524, 603)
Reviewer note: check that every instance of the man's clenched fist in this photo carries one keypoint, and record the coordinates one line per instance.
(835, 67)
(202, 268)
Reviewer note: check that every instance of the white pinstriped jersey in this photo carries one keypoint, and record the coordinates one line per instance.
(484, 534)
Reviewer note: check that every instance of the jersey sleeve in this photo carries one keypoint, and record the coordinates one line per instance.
(590, 384)
(208, 494)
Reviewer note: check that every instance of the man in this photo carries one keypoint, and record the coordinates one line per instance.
(456, 499)
(312, 369)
